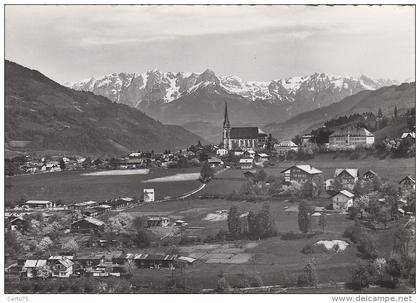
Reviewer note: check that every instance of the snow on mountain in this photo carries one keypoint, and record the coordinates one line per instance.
(154, 87)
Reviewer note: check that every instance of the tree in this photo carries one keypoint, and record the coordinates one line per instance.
(266, 225)
(395, 112)
(206, 173)
(138, 223)
(380, 115)
(310, 274)
(252, 225)
(394, 268)
(222, 283)
(114, 163)
(62, 164)
(362, 275)
(304, 218)
(44, 245)
(120, 223)
(322, 221)
(260, 176)
(70, 246)
(233, 221)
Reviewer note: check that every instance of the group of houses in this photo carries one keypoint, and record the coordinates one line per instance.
(97, 265)
(346, 177)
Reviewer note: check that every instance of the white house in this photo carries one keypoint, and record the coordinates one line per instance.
(246, 163)
(222, 152)
(215, 162)
(343, 200)
(285, 146)
(39, 204)
(61, 266)
(35, 268)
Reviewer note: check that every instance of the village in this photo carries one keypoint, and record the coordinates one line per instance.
(121, 237)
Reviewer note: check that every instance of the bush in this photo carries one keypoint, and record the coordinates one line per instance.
(255, 281)
(296, 236)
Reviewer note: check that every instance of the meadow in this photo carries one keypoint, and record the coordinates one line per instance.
(71, 186)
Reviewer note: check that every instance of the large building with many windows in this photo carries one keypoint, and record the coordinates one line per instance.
(351, 137)
(244, 138)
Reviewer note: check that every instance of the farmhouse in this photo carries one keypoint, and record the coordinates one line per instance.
(407, 183)
(352, 137)
(35, 268)
(343, 200)
(222, 152)
(215, 162)
(61, 266)
(300, 173)
(246, 163)
(409, 135)
(15, 223)
(157, 221)
(87, 225)
(38, 204)
(347, 176)
(244, 138)
(284, 147)
(83, 205)
(89, 260)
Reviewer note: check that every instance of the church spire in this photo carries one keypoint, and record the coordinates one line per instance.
(226, 123)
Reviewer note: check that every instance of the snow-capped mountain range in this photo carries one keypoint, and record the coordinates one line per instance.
(153, 86)
(182, 97)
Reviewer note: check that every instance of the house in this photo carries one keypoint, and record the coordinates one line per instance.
(244, 138)
(409, 135)
(61, 266)
(35, 268)
(300, 173)
(180, 223)
(407, 183)
(39, 204)
(157, 221)
(155, 261)
(215, 162)
(222, 152)
(283, 147)
(121, 202)
(347, 176)
(307, 138)
(351, 137)
(88, 224)
(246, 163)
(262, 157)
(86, 261)
(342, 200)
(369, 176)
(15, 223)
(83, 205)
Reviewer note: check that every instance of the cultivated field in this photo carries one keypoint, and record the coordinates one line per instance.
(71, 187)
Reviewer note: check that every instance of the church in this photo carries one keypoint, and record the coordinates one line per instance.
(244, 138)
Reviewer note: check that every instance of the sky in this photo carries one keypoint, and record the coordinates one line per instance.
(258, 43)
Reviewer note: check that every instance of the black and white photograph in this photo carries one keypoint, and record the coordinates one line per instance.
(209, 149)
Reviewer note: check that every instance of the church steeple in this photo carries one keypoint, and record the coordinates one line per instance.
(226, 123)
(226, 130)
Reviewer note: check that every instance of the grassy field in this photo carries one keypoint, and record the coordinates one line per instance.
(275, 260)
(71, 187)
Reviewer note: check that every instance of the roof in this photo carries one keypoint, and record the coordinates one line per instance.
(93, 221)
(408, 178)
(186, 259)
(286, 144)
(345, 193)
(214, 160)
(157, 218)
(37, 202)
(263, 155)
(155, 257)
(306, 168)
(351, 171)
(87, 203)
(244, 133)
(246, 160)
(411, 134)
(35, 263)
(370, 172)
(353, 132)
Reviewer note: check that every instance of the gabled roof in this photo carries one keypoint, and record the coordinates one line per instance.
(351, 171)
(37, 202)
(244, 132)
(411, 134)
(246, 160)
(35, 263)
(286, 144)
(345, 193)
(370, 172)
(408, 178)
(306, 168)
(93, 221)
